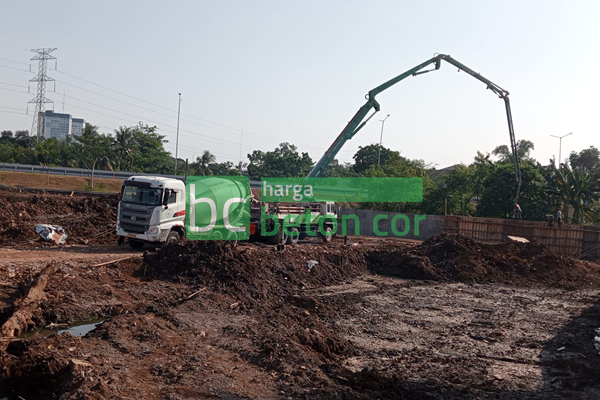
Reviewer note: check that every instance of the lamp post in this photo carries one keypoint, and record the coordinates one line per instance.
(560, 145)
(177, 139)
(381, 139)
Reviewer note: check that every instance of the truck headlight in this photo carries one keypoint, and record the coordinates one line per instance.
(153, 230)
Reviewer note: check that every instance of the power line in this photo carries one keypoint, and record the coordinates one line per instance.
(234, 130)
(11, 108)
(12, 84)
(13, 61)
(12, 112)
(13, 90)
(15, 68)
(144, 119)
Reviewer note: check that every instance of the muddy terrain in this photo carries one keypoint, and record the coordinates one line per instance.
(374, 319)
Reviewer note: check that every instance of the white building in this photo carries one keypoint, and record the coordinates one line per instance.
(61, 126)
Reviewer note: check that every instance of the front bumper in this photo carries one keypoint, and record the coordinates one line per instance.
(151, 235)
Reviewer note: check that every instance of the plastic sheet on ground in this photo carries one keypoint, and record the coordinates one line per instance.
(51, 233)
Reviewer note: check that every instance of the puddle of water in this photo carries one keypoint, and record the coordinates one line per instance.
(81, 330)
(78, 329)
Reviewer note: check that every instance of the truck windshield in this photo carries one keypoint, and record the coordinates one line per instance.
(144, 196)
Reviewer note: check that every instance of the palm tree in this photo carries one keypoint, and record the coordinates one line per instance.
(575, 187)
(203, 161)
(123, 144)
(524, 148)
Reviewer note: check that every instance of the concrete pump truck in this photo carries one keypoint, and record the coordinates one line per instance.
(152, 209)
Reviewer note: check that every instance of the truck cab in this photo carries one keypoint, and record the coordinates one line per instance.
(151, 210)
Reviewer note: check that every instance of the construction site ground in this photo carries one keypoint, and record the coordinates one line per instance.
(373, 319)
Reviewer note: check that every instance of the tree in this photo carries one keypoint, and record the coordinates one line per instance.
(587, 158)
(524, 148)
(93, 148)
(497, 199)
(336, 170)
(203, 161)
(367, 156)
(481, 167)
(224, 169)
(453, 193)
(123, 145)
(149, 154)
(284, 161)
(22, 138)
(576, 187)
(6, 134)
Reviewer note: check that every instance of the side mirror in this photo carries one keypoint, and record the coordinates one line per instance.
(166, 196)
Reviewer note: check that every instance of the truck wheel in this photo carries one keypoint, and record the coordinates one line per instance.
(135, 244)
(279, 238)
(327, 236)
(293, 238)
(172, 238)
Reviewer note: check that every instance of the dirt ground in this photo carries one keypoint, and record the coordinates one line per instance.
(375, 319)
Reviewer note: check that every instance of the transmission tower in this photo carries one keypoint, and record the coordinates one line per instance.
(42, 56)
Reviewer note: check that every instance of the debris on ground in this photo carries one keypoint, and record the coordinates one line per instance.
(87, 219)
(51, 233)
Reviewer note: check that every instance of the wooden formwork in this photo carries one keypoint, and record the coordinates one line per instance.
(572, 240)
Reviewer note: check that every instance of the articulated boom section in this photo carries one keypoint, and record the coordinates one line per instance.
(359, 121)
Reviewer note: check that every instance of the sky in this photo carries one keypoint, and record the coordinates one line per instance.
(255, 74)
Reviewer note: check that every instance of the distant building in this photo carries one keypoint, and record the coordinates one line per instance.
(61, 126)
(77, 125)
(439, 173)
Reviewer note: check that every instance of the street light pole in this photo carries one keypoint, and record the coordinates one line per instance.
(560, 146)
(381, 139)
(177, 139)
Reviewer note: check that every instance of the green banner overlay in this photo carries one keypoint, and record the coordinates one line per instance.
(217, 208)
(347, 190)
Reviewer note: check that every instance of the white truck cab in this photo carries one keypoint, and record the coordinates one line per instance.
(151, 210)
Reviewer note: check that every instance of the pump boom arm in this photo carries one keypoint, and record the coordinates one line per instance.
(358, 121)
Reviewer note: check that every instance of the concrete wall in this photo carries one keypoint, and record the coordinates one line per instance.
(432, 225)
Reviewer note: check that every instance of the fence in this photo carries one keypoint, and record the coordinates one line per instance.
(570, 240)
(430, 226)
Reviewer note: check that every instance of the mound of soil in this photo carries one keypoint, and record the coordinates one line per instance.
(86, 219)
(256, 276)
(460, 259)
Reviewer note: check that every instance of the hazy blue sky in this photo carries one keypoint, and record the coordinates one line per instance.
(298, 71)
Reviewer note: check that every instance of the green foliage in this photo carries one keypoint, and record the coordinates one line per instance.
(524, 148)
(578, 187)
(398, 166)
(285, 161)
(366, 157)
(453, 193)
(587, 158)
(224, 169)
(337, 170)
(201, 166)
(500, 188)
(147, 150)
